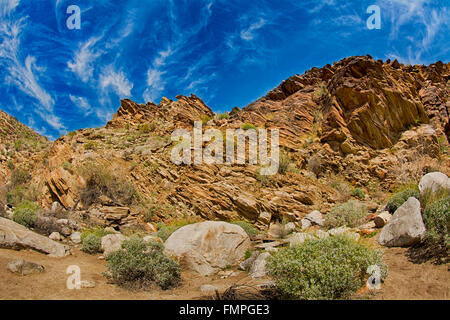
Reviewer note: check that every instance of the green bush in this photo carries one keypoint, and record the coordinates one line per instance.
(248, 126)
(329, 268)
(401, 197)
(25, 213)
(92, 244)
(248, 228)
(351, 214)
(99, 232)
(358, 192)
(139, 264)
(436, 217)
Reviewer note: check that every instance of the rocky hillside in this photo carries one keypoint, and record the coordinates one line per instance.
(358, 124)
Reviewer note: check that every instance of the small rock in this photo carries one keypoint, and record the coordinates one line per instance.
(306, 224)
(101, 257)
(55, 236)
(208, 289)
(87, 284)
(112, 243)
(23, 267)
(258, 268)
(153, 238)
(315, 218)
(75, 237)
(265, 217)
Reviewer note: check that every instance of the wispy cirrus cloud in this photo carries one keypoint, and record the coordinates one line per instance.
(24, 75)
(115, 80)
(83, 62)
(81, 103)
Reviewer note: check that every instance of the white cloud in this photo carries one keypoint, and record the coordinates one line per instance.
(81, 103)
(248, 33)
(24, 75)
(83, 62)
(116, 80)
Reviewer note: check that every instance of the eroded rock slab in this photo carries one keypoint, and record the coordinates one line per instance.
(16, 236)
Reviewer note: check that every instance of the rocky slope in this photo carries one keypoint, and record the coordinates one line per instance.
(356, 123)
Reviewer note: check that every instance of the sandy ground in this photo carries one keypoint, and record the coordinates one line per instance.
(406, 280)
(52, 283)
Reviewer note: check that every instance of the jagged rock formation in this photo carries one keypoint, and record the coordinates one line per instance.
(362, 121)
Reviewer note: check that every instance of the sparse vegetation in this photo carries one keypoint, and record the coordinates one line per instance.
(222, 116)
(248, 126)
(248, 228)
(101, 181)
(349, 214)
(358, 192)
(139, 264)
(92, 244)
(329, 268)
(401, 196)
(285, 161)
(25, 213)
(436, 216)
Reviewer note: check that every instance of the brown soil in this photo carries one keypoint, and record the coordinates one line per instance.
(52, 283)
(406, 280)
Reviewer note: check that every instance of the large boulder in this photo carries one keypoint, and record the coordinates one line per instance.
(208, 247)
(112, 243)
(406, 226)
(16, 236)
(434, 181)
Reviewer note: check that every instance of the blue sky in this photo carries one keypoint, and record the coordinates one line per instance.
(227, 52)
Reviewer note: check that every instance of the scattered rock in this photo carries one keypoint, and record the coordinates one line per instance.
(258, 268)
(87, 284)
(154, 238)
(306, 224)
(315, 218)
(16, 236)
(75, 237)
(208, 289)
(112, 243)
(24, 268)
(207, 247)
(406, 226)
(55, 236)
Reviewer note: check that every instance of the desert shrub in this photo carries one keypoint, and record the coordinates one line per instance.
(91, 145)
(25, 213)
(248, 126)
(358, 192)
(144, 128)
(329, 268)
(248, 228)
(436, 216)
(98, 232)
(314, 165)
(19, 177)
(165, 230)
(351, 214)
(11, 165)
(101, 181)
(92, 244)
(265, 180)
(222, 116)
(285, 161)
(139, 264)
(401, 196)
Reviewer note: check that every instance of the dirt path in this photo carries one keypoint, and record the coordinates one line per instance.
(406, 280)
(52, 283)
